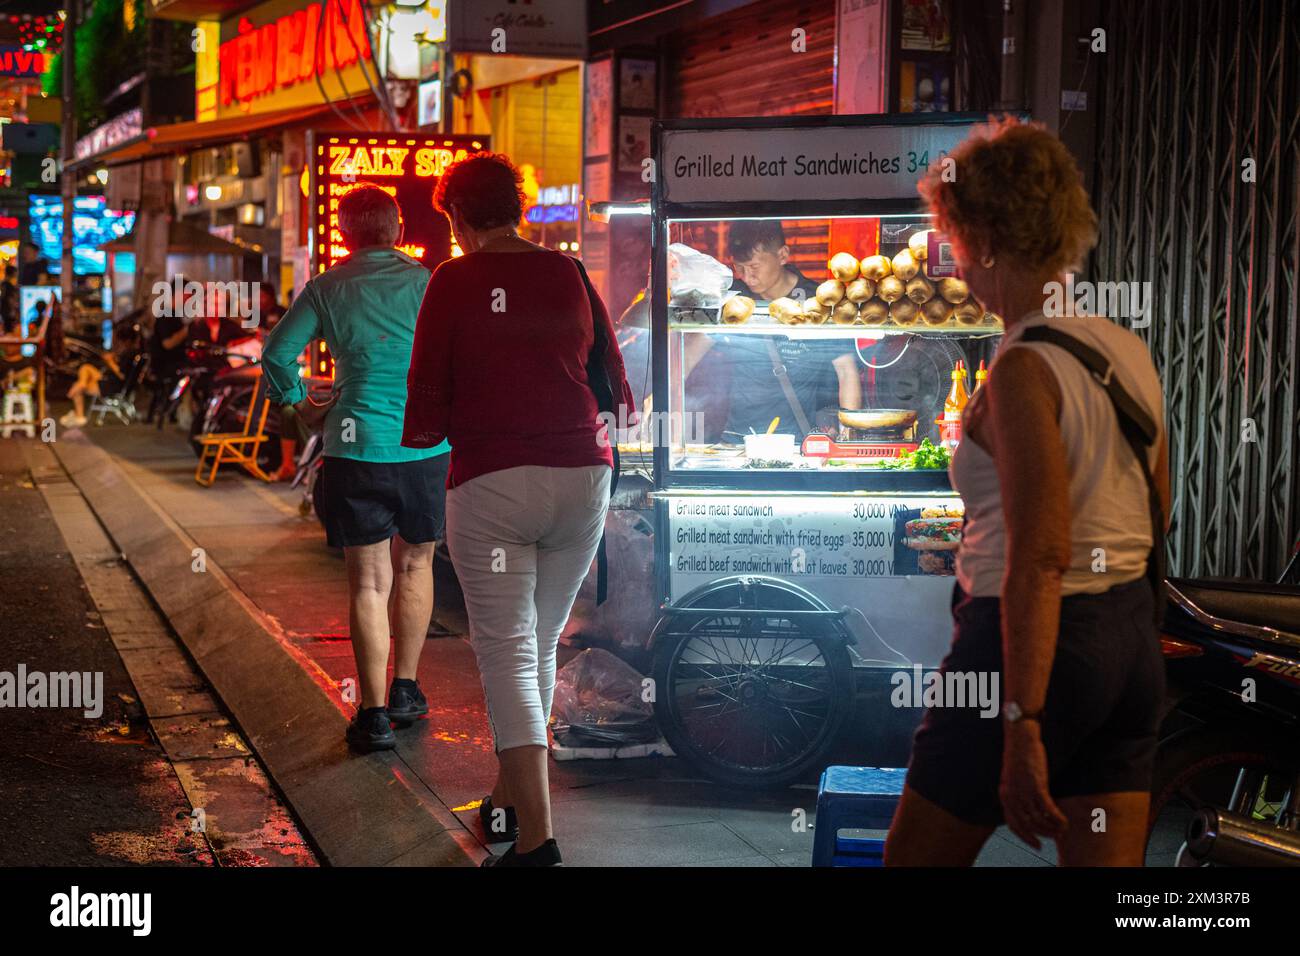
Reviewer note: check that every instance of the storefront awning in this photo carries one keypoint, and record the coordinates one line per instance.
(180, 137)
(183, 239)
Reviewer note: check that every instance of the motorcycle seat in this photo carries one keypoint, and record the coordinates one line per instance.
(1246, 602)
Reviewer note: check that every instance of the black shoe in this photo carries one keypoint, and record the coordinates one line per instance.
(498, 828)
(548, 854)
(370, 731)
(406, 702)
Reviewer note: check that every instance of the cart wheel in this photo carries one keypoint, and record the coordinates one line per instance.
(752, 700)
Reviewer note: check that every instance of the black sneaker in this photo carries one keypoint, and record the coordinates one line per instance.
(548, 854)
(369, 731)
(498, 827)
(406, 702)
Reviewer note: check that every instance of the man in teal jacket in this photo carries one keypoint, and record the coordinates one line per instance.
(381, 503)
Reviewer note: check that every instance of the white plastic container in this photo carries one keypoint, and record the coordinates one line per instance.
(770, 447)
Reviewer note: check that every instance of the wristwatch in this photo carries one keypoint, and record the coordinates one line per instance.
(1014, 713)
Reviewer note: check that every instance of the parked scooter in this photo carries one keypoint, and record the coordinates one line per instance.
(307, 475)
(1227, 781)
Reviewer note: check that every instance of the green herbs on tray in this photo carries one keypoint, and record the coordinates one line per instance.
(928, 456)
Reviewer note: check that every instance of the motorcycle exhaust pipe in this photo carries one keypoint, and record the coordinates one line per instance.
(1226, 839)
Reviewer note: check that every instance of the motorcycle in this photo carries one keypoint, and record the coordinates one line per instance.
(1227, 780)
(308, 475)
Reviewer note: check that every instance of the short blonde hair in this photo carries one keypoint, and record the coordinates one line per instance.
(1017, 190)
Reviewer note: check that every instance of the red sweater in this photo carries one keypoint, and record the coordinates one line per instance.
(499, 365)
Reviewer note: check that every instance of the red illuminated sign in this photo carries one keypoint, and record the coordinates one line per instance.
(15, 61)
(294, 48)
(405, 167)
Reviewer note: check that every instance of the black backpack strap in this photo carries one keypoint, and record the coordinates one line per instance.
(1139, 430)
(603, 390)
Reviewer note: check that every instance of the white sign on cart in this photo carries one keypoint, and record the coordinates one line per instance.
(845, 549)
(820, 163)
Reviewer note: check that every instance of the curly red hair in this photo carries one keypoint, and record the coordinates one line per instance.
(487, 189)
(1017, 191)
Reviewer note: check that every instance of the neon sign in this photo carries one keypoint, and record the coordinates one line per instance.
(430, 161)
(555, 204)
(405, 167)
(291, 49)
(15, 61)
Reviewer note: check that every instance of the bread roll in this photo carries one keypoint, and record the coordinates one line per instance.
(876, 267)
(846, 313)
(904, 312)
(920, 289)
(905, 265)
(859, 290)
(737, 310)
(919, 244)
(874, 312)
(843, 266)
(936, 311)
(815, 313)
(786, 311)
(968, 313)
(830, 292)
(954, 290)
(890, 288)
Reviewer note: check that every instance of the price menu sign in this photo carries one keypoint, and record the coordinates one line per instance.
(848, 550)
(406, 167)
(795, 538)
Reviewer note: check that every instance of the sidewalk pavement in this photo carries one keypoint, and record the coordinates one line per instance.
(148, 771)
(280, 579)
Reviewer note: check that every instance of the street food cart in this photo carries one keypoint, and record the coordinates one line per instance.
(805, 562)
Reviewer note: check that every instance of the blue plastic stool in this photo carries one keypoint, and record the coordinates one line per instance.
(855, 798)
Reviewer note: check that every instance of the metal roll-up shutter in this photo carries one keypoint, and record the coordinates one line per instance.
(742, 63)
(1198, 194)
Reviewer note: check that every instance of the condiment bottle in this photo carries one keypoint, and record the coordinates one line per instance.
(981, 376)
(953, 406)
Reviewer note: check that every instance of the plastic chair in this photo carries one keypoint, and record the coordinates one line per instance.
(237, 448)
(861, 799)
(18, 400)
(122, 405)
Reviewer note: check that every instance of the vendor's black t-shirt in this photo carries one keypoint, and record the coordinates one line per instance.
(756, 394)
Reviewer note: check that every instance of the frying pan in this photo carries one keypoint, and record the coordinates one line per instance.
(869, 419)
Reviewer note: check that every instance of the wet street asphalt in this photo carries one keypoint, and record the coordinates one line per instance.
(75, 790)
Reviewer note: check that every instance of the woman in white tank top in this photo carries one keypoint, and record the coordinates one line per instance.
(1051, 592)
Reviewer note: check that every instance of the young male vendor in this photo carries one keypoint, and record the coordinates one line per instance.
(818, 373)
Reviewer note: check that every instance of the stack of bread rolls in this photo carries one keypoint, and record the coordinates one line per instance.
(885, 290)
(877, 290)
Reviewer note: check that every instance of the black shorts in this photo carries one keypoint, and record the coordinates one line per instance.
(1103, 707)
(365, 502)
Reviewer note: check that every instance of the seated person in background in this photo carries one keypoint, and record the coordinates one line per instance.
(818, 372)
(95, 381)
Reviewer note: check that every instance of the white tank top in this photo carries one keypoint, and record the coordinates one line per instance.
(1110, 526)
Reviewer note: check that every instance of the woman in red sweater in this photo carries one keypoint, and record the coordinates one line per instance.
(499, 366)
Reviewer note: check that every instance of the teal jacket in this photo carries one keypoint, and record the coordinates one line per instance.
(365, 309)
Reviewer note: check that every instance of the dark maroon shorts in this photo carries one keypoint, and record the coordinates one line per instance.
(1104, 703)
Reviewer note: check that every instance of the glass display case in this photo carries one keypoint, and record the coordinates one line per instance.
(826, 346)
(812, 350)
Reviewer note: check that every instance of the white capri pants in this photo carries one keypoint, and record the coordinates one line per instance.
(522, 540)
